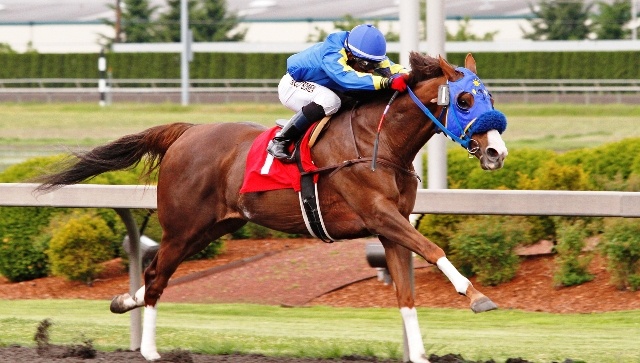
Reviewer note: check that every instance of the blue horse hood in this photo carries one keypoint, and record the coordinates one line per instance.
(481, 117)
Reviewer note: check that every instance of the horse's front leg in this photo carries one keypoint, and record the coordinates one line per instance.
(389, 223)
(398, 261)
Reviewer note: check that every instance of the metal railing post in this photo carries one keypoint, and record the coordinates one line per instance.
(135, 274)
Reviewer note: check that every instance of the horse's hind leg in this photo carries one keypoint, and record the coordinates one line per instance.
(398, 260)
(174, 248)
(164, 265)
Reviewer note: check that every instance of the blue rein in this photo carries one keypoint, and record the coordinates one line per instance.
(465, 141)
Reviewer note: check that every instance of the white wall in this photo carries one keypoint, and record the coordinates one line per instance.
(75, 38)
(85, 38)
(508, 29)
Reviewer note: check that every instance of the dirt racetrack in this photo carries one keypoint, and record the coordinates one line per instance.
(61, 355)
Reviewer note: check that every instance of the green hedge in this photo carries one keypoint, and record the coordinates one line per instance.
(509, 65)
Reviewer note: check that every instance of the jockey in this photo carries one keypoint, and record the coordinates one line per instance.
(345, 61)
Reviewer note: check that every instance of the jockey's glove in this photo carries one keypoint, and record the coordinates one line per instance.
(397, 82)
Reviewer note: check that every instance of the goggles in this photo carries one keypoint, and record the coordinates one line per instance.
(367, 65)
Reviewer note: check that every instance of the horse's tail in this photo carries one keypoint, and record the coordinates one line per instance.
(123, 153)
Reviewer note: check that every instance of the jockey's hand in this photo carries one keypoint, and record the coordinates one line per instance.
(397, 82)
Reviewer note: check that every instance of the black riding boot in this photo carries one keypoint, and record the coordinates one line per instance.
(291, 132)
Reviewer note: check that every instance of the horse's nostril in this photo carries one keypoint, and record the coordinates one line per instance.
(492, 153)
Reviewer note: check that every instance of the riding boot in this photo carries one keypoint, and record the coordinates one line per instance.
(291, 132)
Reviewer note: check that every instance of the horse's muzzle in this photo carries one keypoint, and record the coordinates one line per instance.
(492, 155)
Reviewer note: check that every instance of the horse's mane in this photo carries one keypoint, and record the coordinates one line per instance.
(423, 67)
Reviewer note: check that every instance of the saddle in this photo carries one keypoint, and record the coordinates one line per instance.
(317, 128)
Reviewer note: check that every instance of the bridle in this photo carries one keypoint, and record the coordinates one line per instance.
(458, 123)
(465, 140)
(479, 117)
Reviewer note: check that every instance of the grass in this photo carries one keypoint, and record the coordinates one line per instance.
(549, 126)
(331, 332)
(91, 124)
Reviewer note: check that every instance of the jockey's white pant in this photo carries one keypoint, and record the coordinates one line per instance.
(295, 95)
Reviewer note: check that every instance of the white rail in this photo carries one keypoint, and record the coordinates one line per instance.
(528, 202)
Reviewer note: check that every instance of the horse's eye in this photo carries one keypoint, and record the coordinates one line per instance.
(462, 102)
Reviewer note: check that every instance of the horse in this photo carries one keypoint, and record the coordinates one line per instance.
(201, 169)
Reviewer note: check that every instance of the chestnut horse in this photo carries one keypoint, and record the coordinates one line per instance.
(201, 170)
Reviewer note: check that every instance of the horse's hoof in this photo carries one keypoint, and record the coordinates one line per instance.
(483, 304)
(117, 304)
(421, 359)
(150, 356)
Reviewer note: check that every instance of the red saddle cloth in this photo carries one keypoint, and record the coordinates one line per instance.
(263, 172)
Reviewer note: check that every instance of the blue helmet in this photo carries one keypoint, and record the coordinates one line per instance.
(367, 42)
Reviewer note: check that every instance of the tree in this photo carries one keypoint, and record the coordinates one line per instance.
(559, 20)
(212, 23)
(169, 23)
(136, 23)
(610, 22)
(208, 20)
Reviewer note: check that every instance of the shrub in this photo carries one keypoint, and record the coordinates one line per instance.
(571, 267)
(29, 169)
(23, 259)
(608, 160)
(485, 246)
(552, 175)
(621, 246)
(22, 255)
(78, 246)
(464, 173)
(440, 229)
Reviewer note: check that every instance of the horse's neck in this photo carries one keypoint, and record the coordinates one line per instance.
(405, 129)
(352, 134)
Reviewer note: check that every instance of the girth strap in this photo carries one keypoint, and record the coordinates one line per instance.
(311, 209)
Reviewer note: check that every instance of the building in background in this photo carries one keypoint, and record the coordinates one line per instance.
(76, 25)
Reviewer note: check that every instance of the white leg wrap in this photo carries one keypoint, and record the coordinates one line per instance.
(148, 344)
(460, 282)
(138, 297)
(414, 338)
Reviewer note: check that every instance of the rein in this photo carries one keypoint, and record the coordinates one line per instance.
(375, 144)
(465, 141)
(335, 168)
